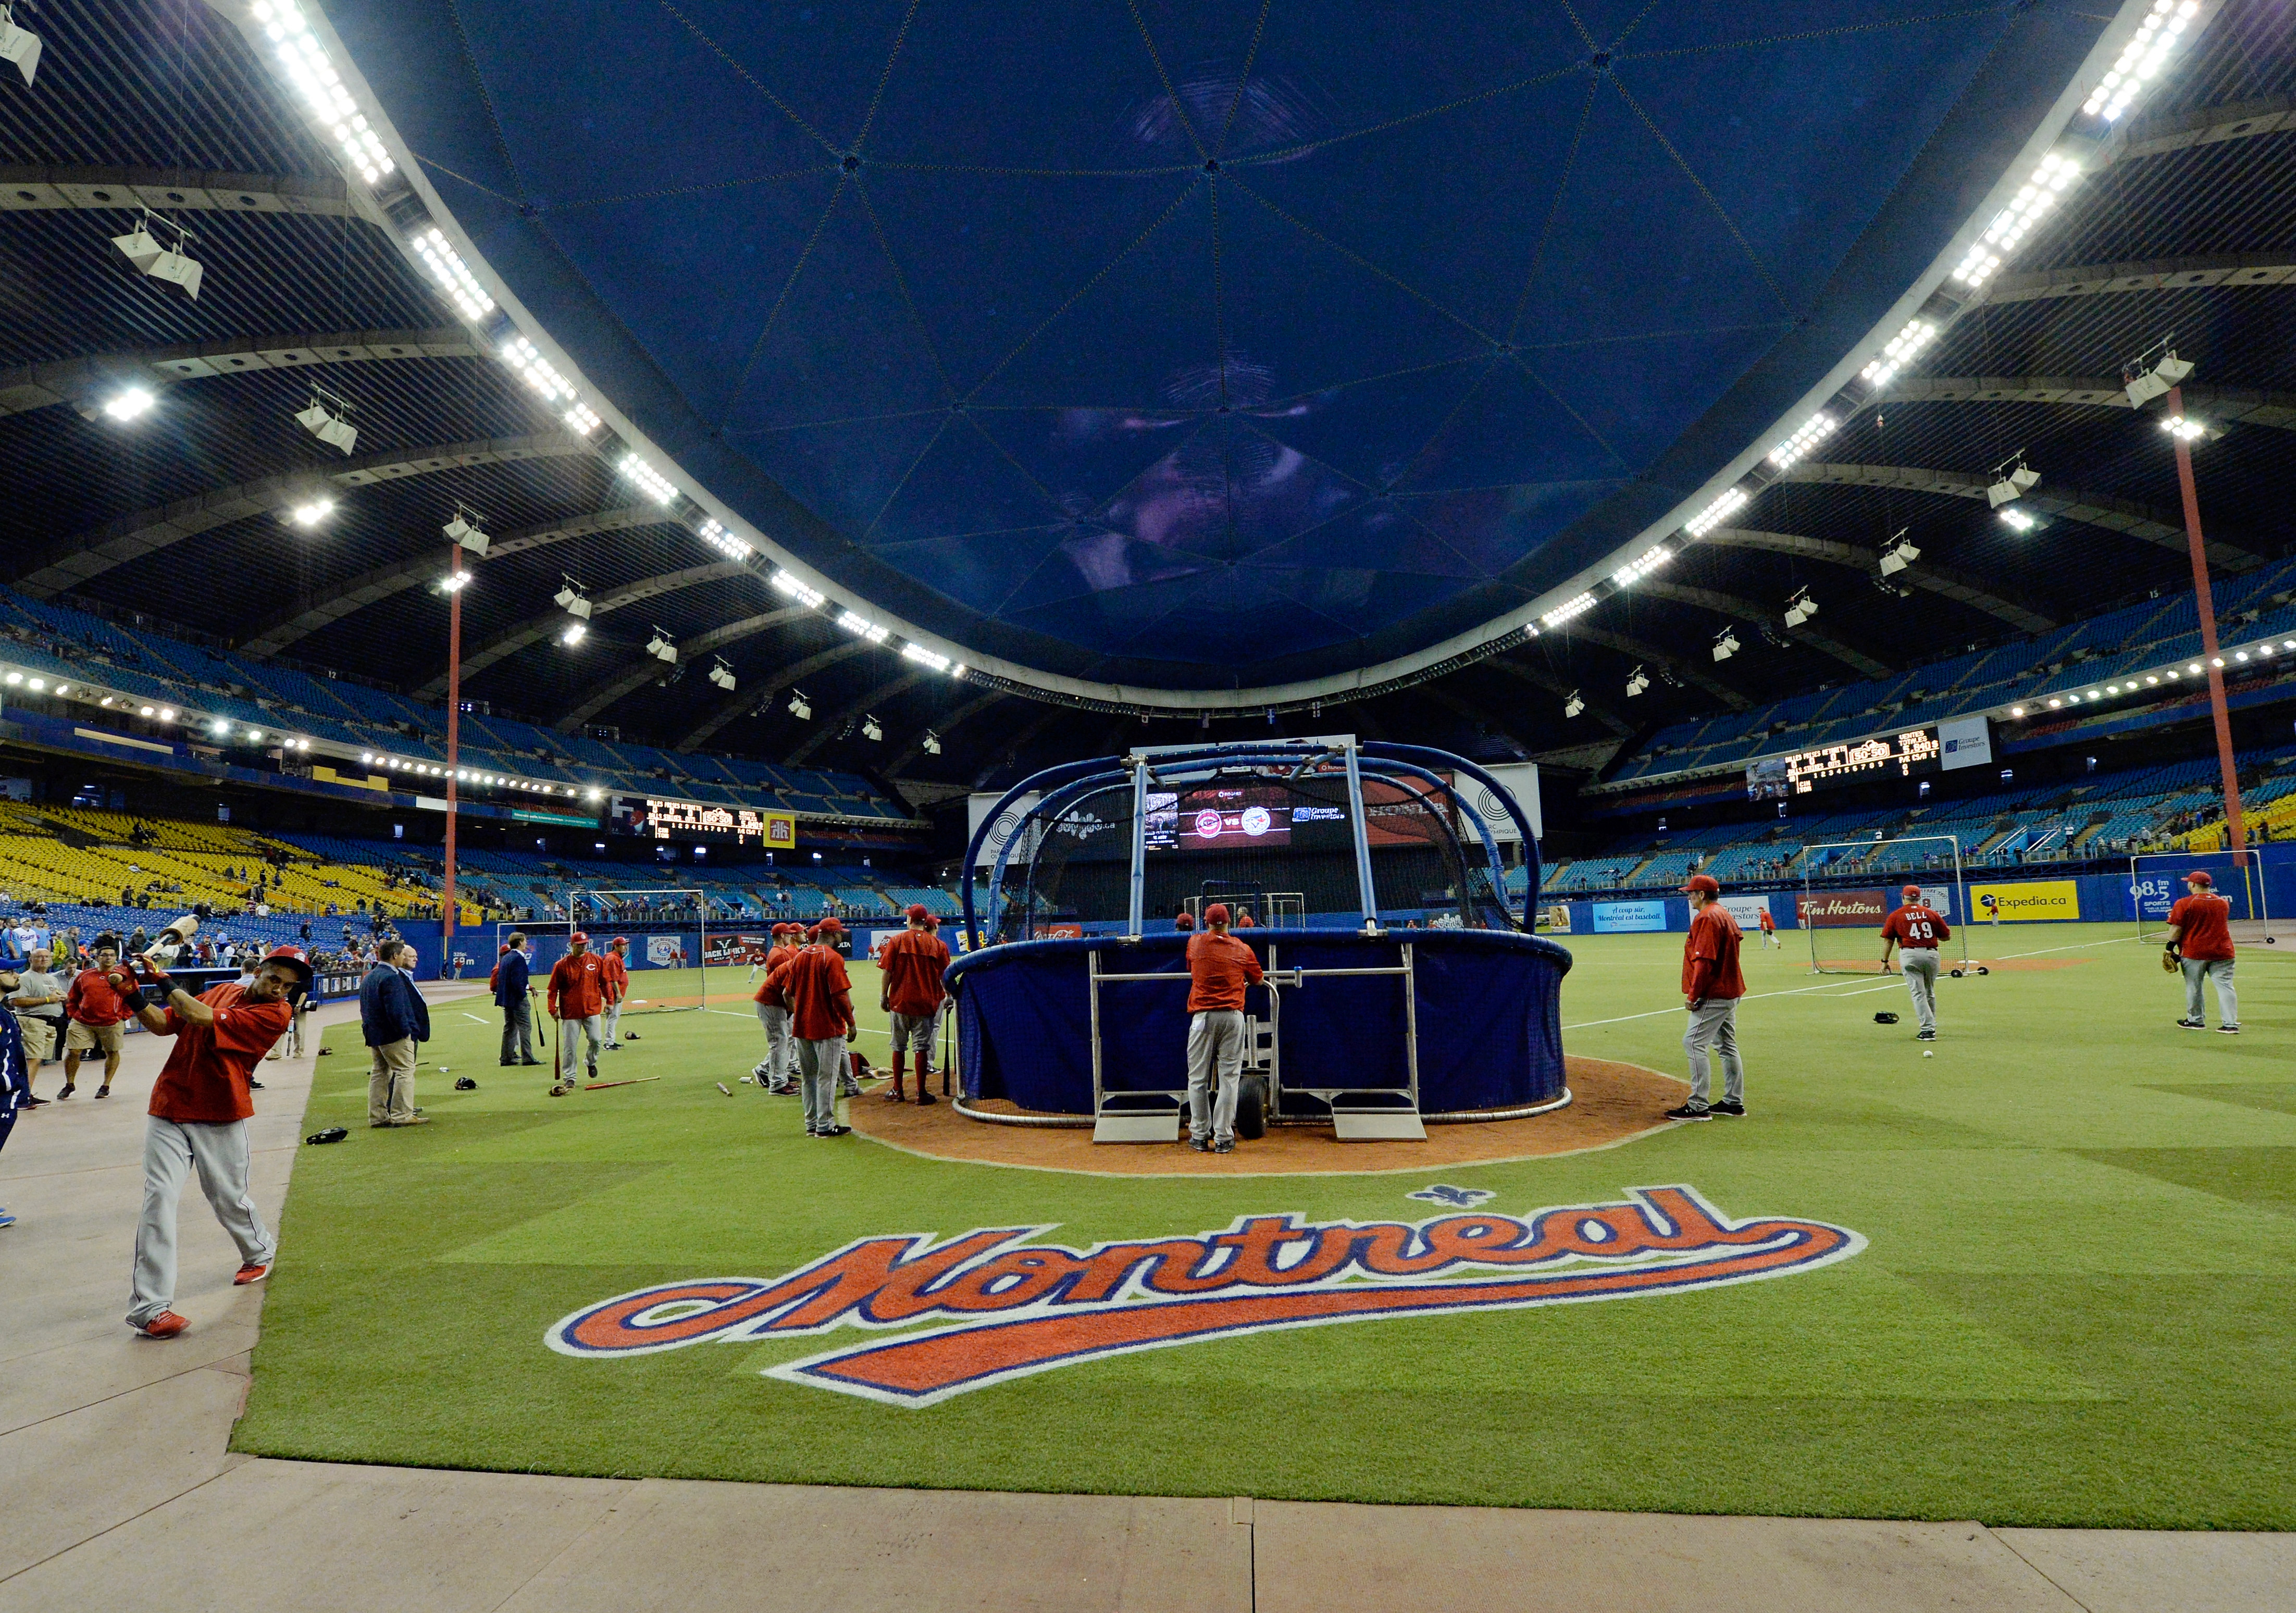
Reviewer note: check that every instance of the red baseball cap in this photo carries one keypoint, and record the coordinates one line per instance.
(619, 941)
(1912, 893)
(2199, 876)
(582, 936)
(829, 926)
(293, 957)
(1705, 883)
(1217, 913)
(919, 912)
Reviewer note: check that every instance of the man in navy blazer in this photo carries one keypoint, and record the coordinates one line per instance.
(395, 1019)
(511, 996)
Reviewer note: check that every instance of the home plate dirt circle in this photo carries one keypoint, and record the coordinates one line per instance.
(1611, 1103)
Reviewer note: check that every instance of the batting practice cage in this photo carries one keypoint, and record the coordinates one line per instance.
(2156, 879)
(1863, 881)
(1402, 986)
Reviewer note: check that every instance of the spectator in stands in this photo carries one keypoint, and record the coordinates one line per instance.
(394, 1019)
(38, 1004)
(515, 997)
(96, 1013)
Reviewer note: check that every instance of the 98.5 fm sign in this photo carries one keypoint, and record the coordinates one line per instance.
(2152, 895)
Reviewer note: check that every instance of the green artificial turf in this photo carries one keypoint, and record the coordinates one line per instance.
(2077, 1305)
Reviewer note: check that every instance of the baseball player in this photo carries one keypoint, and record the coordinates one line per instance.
(1220, 968)
(821, 1021)
(1183, 920)
(911, 967)
(1916, 928)
(1769, 926)
(614, 981)
(2200, 943)
(577, 1000)
(776, 1072)
(15, 1070)
(198, 1121)
(1711, 987)
(96, 1014)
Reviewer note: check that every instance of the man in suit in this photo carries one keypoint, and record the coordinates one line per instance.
(395, 1021)
(514, 997)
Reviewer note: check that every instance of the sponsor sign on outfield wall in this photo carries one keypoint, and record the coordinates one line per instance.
(1845, 909)
(2033, 901)
(1613, 918)
(993, 1304)
(1747, 909)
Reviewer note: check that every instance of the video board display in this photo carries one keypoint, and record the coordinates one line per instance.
(1775, 778)
(1265, 817)
(657, 818)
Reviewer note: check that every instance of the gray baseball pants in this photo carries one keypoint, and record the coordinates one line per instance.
(1715, 1028)
(1919, 966)
(593, 1029)
(172, 1151)
(2219, 970)
(781, 1051)
(1215, 1053)
(819, 1064)
(915, 1032)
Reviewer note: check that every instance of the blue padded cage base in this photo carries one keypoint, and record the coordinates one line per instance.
(1489, 1017)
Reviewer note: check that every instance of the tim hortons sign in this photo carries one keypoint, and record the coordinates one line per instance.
(991, 1305)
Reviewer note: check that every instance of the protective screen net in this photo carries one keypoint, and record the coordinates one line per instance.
(1278, 847)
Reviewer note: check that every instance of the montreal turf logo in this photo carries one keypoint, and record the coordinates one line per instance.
(994, 1305)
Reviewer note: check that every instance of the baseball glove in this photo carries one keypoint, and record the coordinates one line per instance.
(1885, 1018)
(2168, 961)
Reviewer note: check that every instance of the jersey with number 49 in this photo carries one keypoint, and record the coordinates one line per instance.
(1915, 927)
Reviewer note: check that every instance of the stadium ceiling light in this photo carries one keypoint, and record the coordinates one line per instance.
(651, 481)
(453, 274)
(2017, 520)
(1800, 608)
(721, 675)
(1731, 501)
(1898, 352)
(312, 514)
(2241, 656)
(871, 729)
(2141, 59)
(2094, 695)
(15, 678)
(2151, 681)
(20, 45)
(2017, 711)
(466, 529)
(1649, 560)
(126, 405)
(2217, 661)
(1725, 644)
(724, 542)
(37, 685)
(558, 392)
(799, 706)
(454, 582)
(2144, 383)
(662, 647)
(574, 634)
(1899, 555)
(2183, 429)
(147, 711)
(1572, 704)
(329, 424)
(304, 59)
(2013, 479)
(931, 742)
(855, 623)
(172, 265)
(1577, 604)
(593, 795)
(924, 657)
(2053, 705)
(2010, 225)
(570, 598)
(1636, 682)
(811, 598)
(1805, 437)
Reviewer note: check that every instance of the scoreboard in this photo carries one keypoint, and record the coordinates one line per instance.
(1913, 750)
(657, 818)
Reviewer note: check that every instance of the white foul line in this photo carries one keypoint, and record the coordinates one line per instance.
(1750, 996)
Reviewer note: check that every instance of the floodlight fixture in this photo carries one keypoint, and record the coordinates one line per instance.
(2141, 59)
(721, 675)
(1805, 437)
(2009, 227)
(724, 542)
(1725, 644)
(1899, 555)
(1898, 352)
(1800, 608)
(1730, 500)
(931, 742)
(557, 392)
(651, 481)
(1577, 604)
(2013, 479)
(312, 511)
(1649, 560)
(871, 729)
(328, 419)
(2017, 520)
(125, 404)
(467, 529)
(2184, 428)
(855, 623)
(662, 647)
(799, 706)
(454, 582)
(576, 632)
(924, 657)
(2145, 381)
(20, 45)
(1636, 682)
(152, 258)
(789, 586)
(571, 599)
(1573, 704)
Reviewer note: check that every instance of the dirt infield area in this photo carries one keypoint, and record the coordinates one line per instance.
(1611, 1103)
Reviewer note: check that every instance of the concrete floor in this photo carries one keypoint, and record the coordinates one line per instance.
(117, 1490)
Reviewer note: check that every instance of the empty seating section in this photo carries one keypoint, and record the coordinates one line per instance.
(71, 645)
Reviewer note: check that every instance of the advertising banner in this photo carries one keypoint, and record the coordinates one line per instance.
(666, 952)
(780, 830)
(1967, 742)
(1007, 824)
(1939, 900)
(719, 951)
(1556, 917)
(1747, 909)
(2034, 901)
(1613, 918)
(1521, 781)
(1845, 909)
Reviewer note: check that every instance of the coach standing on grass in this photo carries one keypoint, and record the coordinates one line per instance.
(513, 995)
(1220, 968)
(200, 1109)
(1711, 987)
(614, 971)
(577, 1001)
(395, 1019)
(2200, 943)
(1916, 928)
(821, 1021)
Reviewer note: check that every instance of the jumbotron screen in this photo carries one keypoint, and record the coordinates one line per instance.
(1255, 818)
(1774, 778)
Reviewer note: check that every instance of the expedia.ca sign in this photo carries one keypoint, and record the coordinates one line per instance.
(992, 1305)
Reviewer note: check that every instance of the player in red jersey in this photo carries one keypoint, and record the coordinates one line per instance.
(577, 1000)
(1711, 986)
(821, 1018)
(1769, 927)
(1917, 927)
(2199, 943)
(614, 977)
(913, 963)
(1220, 968)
